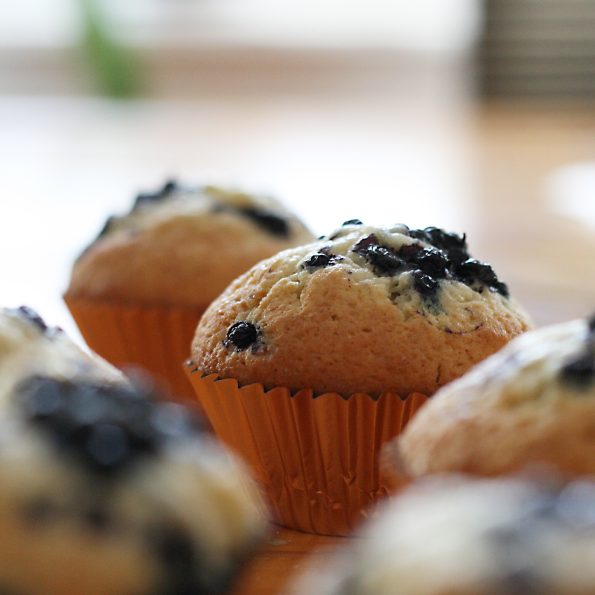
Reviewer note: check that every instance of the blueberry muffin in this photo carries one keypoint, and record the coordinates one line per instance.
(533, 402)
(183, 245)
(105, 490)
(451, 536)
(29, 346)
(315, 358)
(364, 309)
(138, 291)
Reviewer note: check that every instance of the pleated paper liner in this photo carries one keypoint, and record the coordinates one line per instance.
(156, 338)
(315, 457)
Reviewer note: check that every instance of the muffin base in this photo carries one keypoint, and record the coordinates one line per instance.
(316, 457)
(154, 338)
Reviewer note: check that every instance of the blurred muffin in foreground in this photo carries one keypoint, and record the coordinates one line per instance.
(453, 536)
(107, 491)
(28, 346)
(533, 402)
(317, 356)
(139, 289)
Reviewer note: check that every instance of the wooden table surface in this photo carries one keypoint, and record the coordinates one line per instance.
(283, 557)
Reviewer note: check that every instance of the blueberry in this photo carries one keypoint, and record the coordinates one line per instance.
(168, 188)
(270, 222)
(424, 284)
(409, 252)
(453, 244)
(119, 432)
(107, 444)
(241, 335)
(365, 243)
(580, 370)
(351, 222)
(32, 316)
(384, 261)
(318, 261)
(322, 259)
(473, 271)
(46, 401)
(591, 324)
(432, 262)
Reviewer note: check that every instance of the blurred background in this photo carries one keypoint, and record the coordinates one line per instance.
(478, 116)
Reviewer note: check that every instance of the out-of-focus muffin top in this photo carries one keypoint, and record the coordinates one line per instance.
(452, 536)
(117, 491)
(28, 346)
(183, 245)
(532, 402)
(364, 309)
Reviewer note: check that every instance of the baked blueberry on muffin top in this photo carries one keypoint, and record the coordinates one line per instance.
(363, 309)
(433, 255)
(181, 245)
(117, 491)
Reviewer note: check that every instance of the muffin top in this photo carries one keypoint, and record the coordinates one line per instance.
(183, 245)
(452, 536)
(365, 309)
(532, 402)
(28, 346)
(117, 491)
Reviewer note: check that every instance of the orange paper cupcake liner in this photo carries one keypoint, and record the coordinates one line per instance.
(315, 457)
(155, 338)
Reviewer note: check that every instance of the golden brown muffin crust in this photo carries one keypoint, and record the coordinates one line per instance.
(345, 328)
(534, 402)
(184, 247)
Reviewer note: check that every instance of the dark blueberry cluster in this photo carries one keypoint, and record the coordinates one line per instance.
(322, 259)
(447, 259)
(142, 199)
(385, 261)
(265, 219)
(270, 222)
(473, 271)
(454, 245)
(242, 335)
(105, 428)
(579, 370)
(168, 189)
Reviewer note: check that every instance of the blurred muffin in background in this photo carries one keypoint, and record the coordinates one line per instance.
(138, 291)
(531, 403)
(28, 346)
(106, 490)
(313, 359)
(454, 536)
